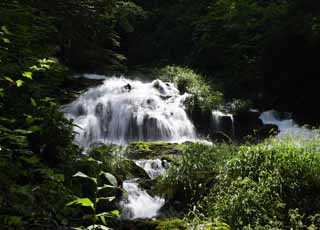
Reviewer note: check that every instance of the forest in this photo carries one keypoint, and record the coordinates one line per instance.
(159, 115)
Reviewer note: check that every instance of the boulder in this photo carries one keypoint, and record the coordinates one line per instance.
(246, 123)
(266, 131)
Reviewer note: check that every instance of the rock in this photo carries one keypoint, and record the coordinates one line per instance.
(246, 123)
(221, 137)
(222, 123)
(152, 150)
(266, 131)
(127, 87)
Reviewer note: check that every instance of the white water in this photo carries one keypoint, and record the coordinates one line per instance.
(154, 168)
(123, 110)
(217, 117)
(139, 204)
(288, 127)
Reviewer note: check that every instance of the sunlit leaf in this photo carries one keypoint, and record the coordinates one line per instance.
(9, 79)
(5, 29)
(27, 75)
(103, 220)
(33, 102)
(5, 40)
(115, 213)
(19, 82)
(82, 175)
(105, 186)
(108, 199)
(23, 131)
(85, 202)
(111, 178)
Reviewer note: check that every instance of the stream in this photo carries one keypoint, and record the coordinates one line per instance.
(122, 110)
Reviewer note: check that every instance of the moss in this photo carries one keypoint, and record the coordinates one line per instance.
(151, 150)
(111, 159)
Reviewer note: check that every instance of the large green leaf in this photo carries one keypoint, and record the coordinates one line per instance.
(111, 178)
(82, 175)
(85, 202)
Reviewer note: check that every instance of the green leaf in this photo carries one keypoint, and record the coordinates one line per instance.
(109, 199)
(9, 79)
(5, 29)
(33, 102)
(84, 202)
(19, 82)
(27, 75)
(82, 175)
(115, 213)
(1, 92)
(30, 160)
(5, 40)
(23, 131)
(111, 178)
(105, 186)
(103, 220)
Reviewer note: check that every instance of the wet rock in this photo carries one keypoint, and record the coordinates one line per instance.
(221, 137)
(127, 87)
(266, 131)
(246, 123)
(222, 124)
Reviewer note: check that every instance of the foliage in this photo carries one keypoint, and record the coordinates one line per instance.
(97, 198)
(193, 174)
(204, 97)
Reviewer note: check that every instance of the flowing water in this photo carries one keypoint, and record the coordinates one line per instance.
(123, 110)
(287, 126)
(139, 204)
(223, 122)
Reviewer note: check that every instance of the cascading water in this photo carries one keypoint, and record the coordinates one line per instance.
(139, 204)
(222, 122)
(123, 110)
(287, 126)
(154, 168)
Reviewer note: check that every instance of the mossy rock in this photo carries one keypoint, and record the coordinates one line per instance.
(151, 150)
(130, 170)
(112, 161)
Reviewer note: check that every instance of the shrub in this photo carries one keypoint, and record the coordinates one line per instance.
(204, 96)
(262, 185)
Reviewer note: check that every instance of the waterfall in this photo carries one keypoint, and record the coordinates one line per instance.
(222, 122)
(123, 110)
(139, 204)
(287, 126)
(154, 168)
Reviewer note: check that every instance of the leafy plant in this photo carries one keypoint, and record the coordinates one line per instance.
(92, 203)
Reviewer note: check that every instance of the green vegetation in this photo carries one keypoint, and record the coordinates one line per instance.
(151, 150)
(273, 185)
(204, 96)
(263, 52)
(97, 199)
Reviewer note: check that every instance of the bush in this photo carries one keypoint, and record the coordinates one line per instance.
(192, 175)
(261, 186)
(204, 96)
